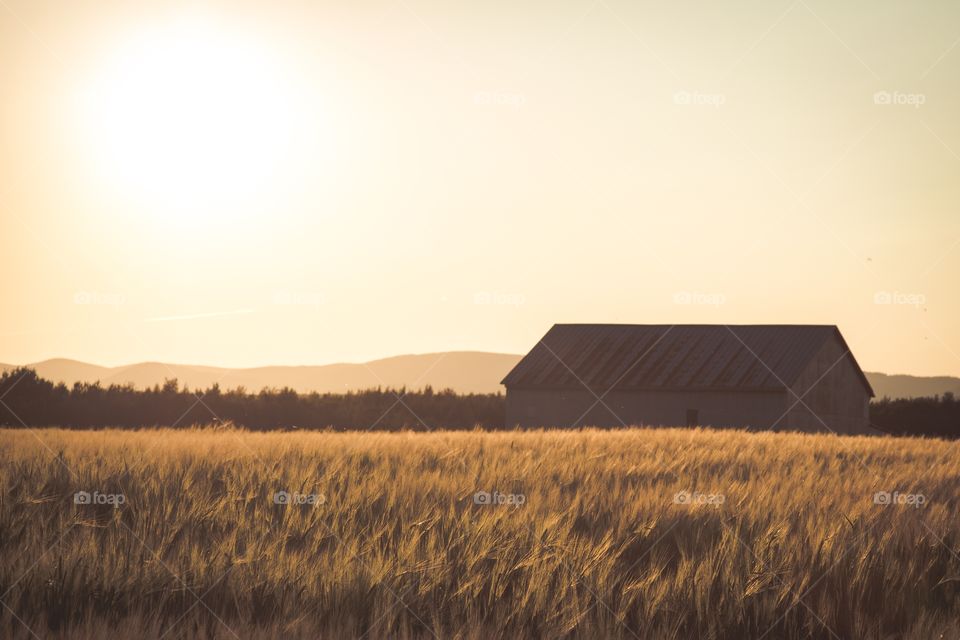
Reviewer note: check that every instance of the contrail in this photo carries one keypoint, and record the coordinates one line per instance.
(212, 314)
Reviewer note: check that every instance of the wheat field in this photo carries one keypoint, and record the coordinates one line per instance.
(640, 533)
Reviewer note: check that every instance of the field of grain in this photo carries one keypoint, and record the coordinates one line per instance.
(671, 533)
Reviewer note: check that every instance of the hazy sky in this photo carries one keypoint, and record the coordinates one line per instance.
(299, 183)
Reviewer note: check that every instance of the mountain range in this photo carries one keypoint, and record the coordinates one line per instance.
(462, 371)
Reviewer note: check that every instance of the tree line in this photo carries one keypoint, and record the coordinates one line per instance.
(34, 401)
(937, 416)
(29, 400)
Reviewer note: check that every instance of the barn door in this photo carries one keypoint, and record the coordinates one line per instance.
(693, 417)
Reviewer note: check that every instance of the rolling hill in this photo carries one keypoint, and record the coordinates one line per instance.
(904, 386)
(462, 371)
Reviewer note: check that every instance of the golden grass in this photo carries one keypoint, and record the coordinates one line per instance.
(599, 547)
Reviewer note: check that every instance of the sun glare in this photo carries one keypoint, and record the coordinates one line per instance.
(188, 118)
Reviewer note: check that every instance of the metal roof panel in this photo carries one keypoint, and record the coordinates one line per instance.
(604, 356)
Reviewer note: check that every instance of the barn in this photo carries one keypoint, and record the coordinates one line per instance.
(779, 377)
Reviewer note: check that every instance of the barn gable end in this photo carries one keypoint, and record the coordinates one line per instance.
(831, 394)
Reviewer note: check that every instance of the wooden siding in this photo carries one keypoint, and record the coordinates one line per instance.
(832, 390)
(572, 408)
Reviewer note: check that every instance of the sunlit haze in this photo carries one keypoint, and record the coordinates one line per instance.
(304, 183)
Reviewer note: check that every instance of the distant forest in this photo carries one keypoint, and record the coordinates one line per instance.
(29, 400)
(938, 416)
(34, 401)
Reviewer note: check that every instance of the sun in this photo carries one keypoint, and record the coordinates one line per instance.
(189, 117)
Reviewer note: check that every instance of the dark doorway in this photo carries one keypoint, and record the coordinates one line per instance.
(693, 417)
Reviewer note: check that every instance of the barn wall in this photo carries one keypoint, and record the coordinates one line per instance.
(566, 408)
(839, 399)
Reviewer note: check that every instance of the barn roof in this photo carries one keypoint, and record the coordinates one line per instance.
(652, 356)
